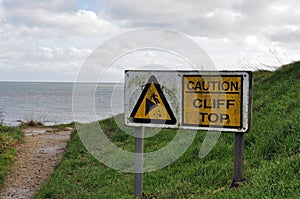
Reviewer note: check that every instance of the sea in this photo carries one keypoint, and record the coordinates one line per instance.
(51, 103)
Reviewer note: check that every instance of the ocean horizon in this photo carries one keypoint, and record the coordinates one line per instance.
(51, 102)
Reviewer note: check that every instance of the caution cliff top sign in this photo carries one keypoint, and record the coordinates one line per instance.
(189, 99)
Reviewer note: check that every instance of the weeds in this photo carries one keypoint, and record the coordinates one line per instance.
(1, 117)
(271, 164)
(31, 119)
(9, 137)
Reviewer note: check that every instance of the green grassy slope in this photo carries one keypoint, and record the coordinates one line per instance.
(9, 137)
(272, 156)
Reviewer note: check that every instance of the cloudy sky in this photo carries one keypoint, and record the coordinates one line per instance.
(49, 40)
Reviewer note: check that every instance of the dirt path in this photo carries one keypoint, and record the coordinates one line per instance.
(35, 162)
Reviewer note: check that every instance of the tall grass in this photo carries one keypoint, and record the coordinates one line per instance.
(9, 137)
(271, 166)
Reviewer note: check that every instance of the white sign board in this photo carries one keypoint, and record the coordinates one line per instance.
(208, 100)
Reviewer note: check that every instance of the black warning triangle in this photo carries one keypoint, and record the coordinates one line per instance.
(152, 106)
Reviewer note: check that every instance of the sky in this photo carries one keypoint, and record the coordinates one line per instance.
(49, 40)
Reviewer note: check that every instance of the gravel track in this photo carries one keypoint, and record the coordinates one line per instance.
(36, 160)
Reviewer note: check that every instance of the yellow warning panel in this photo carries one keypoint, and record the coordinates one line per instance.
(152, 106)
(212, 101)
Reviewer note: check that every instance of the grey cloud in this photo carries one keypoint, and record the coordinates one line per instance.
(36, 32)
(34, 5)
(287, 36)
(188, 16)
(213, 18)
(252, 7)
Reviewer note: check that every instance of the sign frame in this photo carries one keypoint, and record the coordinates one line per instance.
(178, 107)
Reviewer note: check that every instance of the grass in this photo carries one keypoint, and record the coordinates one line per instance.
(9, 138)
(271, 167)
(61, 127)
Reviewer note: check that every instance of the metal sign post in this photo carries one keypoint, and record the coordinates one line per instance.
(238, 159)
(138, 161)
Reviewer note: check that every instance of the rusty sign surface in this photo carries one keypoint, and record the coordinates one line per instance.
(210, 100)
